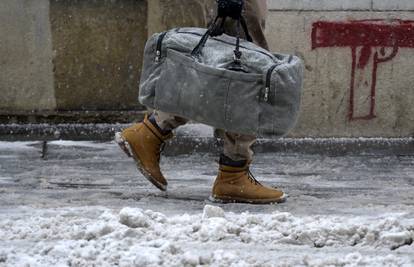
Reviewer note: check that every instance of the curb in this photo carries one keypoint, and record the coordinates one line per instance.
(199, 139)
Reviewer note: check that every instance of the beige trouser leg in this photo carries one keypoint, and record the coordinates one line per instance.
(167, 121)
(236, 146)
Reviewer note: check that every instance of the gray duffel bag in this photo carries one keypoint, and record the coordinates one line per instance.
(188, 73)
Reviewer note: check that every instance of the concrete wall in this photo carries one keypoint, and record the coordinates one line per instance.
(369, 98)
(26, 72)
(65, 55)
(71, 55)
(97, 53)
(162, 14)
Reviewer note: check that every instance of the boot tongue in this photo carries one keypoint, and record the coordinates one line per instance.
(224, 160)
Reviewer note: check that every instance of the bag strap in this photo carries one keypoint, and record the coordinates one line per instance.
(237, 52)
(245, 29)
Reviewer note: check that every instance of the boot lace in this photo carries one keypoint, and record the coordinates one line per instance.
(252, 178)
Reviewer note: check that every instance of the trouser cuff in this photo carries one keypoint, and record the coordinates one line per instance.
(224, 160)
(151, 118)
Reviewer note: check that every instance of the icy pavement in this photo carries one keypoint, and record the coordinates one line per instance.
(83, 203)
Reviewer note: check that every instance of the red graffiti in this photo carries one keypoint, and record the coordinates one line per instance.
(372, 42)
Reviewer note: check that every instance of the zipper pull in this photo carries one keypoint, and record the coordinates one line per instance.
(266, 94)
(268, 82)
(158, 55)
(159, 47)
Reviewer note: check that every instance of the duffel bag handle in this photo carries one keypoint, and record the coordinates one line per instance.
(197, 50)
(213, 31)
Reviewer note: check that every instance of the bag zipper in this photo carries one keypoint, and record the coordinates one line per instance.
(159, 47)
(268, 75)
(162, 35)
(268, 81)
(261, 52)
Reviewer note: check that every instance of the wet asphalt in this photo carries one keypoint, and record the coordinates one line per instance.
(65, 173)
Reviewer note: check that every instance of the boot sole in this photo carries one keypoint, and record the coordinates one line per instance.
(226, 200)
(124, 145)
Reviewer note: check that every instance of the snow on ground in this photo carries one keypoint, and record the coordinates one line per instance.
(137, 237)
(68, 143)
(83, 204)
(13, 146)
(195, 130)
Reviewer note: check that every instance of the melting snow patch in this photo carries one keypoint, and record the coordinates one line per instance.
(88, 144)
(15, 146)
(195, 130)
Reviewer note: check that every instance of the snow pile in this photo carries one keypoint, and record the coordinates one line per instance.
(210, 211)
(354, 259)
(136, 237)
(134, 218)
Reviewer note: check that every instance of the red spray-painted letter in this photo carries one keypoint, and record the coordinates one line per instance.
(372, 42)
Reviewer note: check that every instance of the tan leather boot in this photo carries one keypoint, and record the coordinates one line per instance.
(143, 142)
(237, 184)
